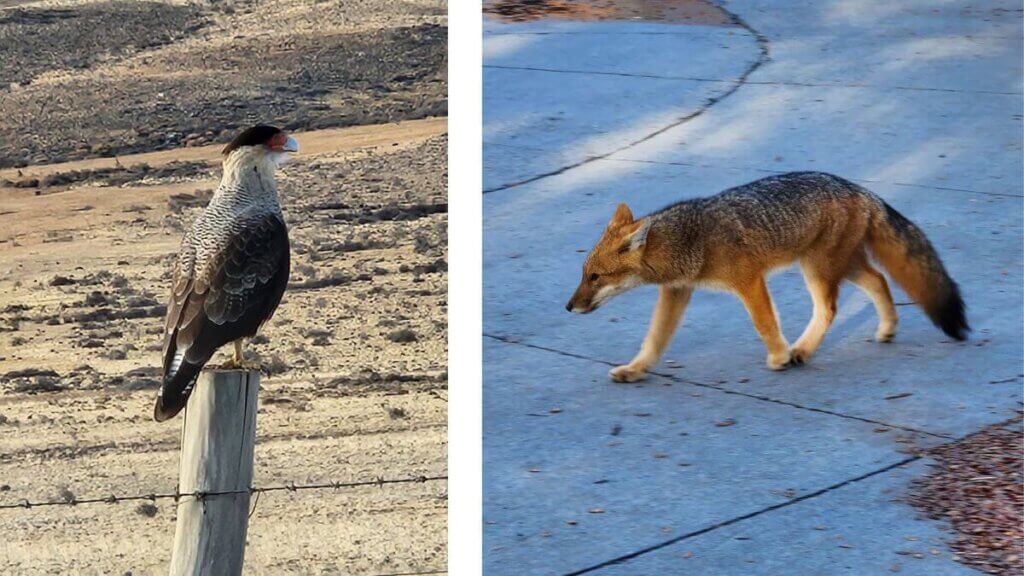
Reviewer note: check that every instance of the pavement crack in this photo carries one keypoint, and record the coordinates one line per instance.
(765, 170)
(808, 496)
(802, 407)
(793, 83)
(607, 73)
(724, 390)
(762, 58)
(731, 521)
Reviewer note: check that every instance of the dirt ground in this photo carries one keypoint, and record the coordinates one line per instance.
(670, 11)
(357, 351)
(173, 73)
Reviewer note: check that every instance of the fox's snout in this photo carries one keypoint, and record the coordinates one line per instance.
(581, 302)
(571, 307)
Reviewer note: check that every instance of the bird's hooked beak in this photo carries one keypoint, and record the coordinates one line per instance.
(280, 151)
(290, 145)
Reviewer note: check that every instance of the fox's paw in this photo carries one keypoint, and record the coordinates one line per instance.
(779, 361)
(885, 333)
(627, 373)
(799, 356)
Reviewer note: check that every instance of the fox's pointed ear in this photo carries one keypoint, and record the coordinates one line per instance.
(621, 217)
(637, 238)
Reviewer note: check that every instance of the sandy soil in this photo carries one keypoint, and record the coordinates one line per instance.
(167, 74)
(670, 11)
(357, 351)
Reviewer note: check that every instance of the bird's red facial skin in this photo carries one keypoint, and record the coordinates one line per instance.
(277, 141)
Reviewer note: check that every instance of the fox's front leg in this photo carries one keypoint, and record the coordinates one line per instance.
(758, 302)
(667, 313)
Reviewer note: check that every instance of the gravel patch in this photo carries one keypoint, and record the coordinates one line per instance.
(35, 40)
(978, 489)
(202, 91)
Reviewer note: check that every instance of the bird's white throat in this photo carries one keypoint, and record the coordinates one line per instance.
(249, 173)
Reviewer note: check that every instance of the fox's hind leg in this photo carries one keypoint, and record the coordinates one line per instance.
(758, 301)
(667, 313)
(873, 283)
(823, 284)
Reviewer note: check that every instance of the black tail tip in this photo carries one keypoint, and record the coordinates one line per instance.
(163, 411)
(951, 316)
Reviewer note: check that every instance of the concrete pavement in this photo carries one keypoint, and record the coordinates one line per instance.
(717, 465)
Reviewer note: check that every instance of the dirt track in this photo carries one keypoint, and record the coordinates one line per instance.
(167, 74)
(671, 11)
(357, 351)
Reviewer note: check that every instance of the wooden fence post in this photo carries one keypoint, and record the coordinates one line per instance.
(217, 442)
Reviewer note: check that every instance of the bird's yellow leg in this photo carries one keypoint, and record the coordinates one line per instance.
(237, 361)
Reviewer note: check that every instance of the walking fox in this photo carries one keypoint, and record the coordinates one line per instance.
(733, 239)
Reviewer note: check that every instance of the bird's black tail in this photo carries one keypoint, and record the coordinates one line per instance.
(175, 390)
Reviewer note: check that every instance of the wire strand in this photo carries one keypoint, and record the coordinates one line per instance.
(199, 495)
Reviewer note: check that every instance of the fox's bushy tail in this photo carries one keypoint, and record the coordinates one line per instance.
(907, 255)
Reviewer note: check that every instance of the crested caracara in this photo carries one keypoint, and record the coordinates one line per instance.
(232, 268)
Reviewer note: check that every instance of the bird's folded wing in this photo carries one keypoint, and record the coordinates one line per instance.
(231, 294)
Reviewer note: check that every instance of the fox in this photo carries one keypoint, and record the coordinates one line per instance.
(731, 241)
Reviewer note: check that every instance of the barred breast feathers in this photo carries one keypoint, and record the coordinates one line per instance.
(246, 191)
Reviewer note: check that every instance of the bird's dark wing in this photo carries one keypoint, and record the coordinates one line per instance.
(220, 301)
(181, 287)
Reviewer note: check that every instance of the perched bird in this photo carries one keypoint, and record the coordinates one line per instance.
(232, 268)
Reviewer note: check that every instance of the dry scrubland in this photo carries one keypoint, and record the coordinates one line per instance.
(357, 351)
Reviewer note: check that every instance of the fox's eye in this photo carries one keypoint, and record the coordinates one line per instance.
(593, 277)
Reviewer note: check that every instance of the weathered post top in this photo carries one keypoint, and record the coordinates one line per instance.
(217, 445)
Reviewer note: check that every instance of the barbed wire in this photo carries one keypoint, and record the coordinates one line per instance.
(199, 495)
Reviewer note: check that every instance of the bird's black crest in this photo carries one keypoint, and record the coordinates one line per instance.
(258, 134)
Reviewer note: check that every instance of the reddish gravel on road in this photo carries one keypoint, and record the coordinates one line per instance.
(978, 489)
